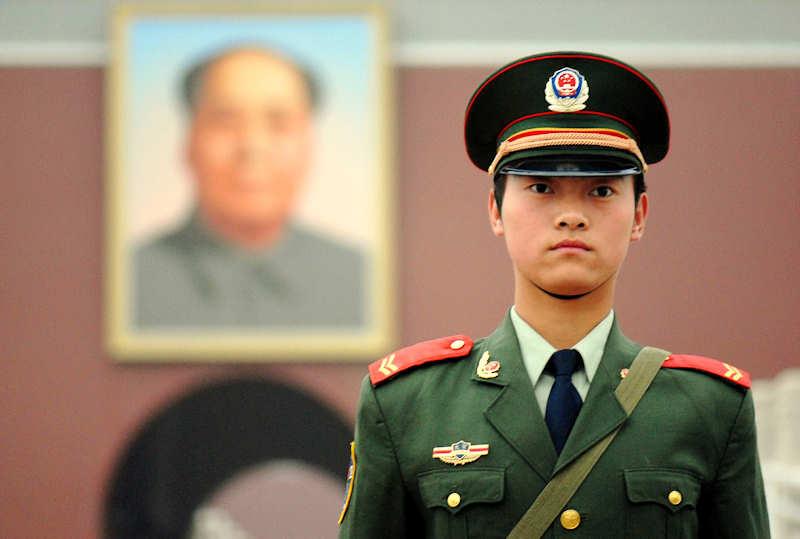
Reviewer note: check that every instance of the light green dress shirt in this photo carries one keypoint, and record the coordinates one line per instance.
(536, 352)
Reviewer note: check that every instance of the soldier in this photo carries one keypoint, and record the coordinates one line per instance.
(547, 427)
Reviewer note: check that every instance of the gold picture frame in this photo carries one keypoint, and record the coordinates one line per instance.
(206, 259)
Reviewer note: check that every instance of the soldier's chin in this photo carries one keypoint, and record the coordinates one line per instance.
(565, 292)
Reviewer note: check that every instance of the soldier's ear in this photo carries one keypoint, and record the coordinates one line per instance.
(640, 217)
(495, 218)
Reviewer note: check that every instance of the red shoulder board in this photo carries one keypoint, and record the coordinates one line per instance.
(711, 366)
(419, 354)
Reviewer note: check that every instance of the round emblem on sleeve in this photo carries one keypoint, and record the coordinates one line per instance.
(348, 487)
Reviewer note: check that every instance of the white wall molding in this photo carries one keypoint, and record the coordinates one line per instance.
(465, 54)
(679, 55)
(53, 53)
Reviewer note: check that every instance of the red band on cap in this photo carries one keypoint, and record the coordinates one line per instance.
(592, 113)
(550, 130)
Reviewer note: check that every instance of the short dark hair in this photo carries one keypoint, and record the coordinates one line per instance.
(192, 80)
(639, 187)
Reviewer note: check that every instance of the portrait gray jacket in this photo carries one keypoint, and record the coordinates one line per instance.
(191, 278)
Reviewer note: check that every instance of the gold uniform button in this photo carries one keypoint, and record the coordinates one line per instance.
(570, 519)
(458, 344)
(675, 497)
(454, 499)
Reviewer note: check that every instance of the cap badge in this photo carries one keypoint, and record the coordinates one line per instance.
(486, 368)
(460, 452)
(566, 91)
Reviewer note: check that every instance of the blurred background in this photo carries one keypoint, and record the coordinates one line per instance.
(254, 450)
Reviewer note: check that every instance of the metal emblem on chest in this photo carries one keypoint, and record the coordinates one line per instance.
(460, 452)
(486, 368)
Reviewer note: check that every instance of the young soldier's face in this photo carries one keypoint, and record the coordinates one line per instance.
(568, 235)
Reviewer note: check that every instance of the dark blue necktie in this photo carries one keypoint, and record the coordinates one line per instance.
(564, 402)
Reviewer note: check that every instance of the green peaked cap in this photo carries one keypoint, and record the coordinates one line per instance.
(587, 91)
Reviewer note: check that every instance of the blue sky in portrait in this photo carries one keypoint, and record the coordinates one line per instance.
(335, 48)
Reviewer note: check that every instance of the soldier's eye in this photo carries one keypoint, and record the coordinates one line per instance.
(602, 191)
(541, 188)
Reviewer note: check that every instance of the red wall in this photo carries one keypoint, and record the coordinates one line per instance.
(715, 274)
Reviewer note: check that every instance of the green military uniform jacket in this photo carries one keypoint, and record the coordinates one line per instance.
(692, 433)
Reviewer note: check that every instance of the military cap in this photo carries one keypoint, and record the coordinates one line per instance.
(566, 113)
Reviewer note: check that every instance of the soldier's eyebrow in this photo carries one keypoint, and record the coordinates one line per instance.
(608, 179)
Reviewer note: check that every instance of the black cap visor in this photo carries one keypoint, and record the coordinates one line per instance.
(572, 165)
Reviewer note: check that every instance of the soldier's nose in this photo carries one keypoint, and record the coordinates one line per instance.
(572, 221)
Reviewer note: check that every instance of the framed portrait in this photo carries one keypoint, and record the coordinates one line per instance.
(249, 201)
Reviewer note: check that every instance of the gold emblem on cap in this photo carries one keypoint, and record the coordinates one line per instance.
(486, 368)
(570, 519)
(675, 497)
(566, 91)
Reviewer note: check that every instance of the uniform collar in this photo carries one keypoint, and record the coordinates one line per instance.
(600, 414)
(536, 351)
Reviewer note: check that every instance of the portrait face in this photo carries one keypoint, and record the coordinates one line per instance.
(568, 235)
(250, 138)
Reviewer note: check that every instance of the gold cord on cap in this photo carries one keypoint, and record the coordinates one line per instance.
(539, 138)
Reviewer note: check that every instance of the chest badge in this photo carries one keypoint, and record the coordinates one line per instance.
(486, 368)
(566, 91)
(460, 452)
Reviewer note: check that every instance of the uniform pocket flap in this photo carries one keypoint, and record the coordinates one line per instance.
(672, 489)
(456, 489)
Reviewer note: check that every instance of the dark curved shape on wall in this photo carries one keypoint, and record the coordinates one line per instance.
(193, 445)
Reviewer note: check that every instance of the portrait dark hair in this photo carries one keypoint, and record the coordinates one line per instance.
(192, 81)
